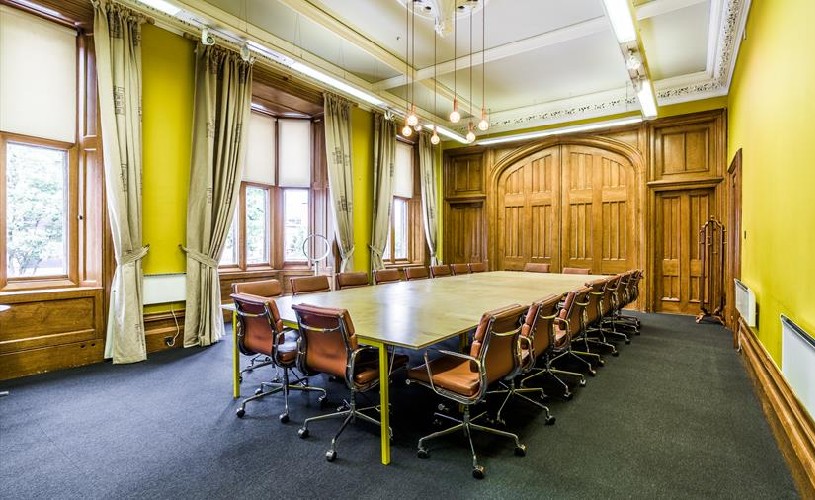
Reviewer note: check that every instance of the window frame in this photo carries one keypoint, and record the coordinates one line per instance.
(72, 217)
(416, 244)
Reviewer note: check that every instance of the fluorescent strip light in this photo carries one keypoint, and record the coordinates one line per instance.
(559, 131)
(271, 54)
(448, 133)
(619, 12)
(337, 84)
(646, 97)
(163, 6)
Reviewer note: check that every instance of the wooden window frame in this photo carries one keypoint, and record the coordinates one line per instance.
(417, 253)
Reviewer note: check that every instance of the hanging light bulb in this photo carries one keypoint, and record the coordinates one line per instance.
(407, 130)
(455, 116)
(484, 124)
(470, 134)
(434, 139)
(412, 119)
(417, 127)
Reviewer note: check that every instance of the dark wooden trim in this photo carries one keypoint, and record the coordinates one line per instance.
(670, 185)
(792, 427)
(160, 328)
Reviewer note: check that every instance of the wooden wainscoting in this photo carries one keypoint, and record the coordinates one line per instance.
(45, 331)
(161, 328)
(792, 427)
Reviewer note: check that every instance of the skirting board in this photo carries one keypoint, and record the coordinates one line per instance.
(794, 431)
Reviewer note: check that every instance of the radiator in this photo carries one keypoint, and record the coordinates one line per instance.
(798, 362)
(746, 303)
(163, 288)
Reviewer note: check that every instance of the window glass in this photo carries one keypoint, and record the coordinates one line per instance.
(400, 229)
(36, 211)
(257, 226)
(295, 213)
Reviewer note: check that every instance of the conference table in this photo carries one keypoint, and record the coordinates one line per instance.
(418, 314)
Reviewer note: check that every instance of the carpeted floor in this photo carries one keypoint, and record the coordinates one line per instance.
(675, 416)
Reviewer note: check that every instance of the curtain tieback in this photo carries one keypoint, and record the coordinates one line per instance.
(203, 259)
(134, 255)
(377, 251)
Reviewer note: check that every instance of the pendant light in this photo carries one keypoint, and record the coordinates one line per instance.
(412, 119)
(434, 139)
(484, 124)
(455, 116)
(470, 133)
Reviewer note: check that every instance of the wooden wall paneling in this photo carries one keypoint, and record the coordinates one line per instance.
(544, 209)
(733, 245)
(163, 328)
(686, 148)
(464, 176)
(465, 238)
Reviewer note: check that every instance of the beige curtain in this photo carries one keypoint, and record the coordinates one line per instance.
(117, 34)
(384, 156)
(223, 98)
(340, 173)
(430, 209)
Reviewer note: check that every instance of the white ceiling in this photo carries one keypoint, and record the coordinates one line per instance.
(547, 61)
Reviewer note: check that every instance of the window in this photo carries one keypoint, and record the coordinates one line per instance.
(405, 238)
(273, 212)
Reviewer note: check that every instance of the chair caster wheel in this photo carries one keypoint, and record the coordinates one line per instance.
(582, 382)
(602, 362)
(284, 418)
(568, 396)
(302, 433)
(331, 455)
(240, 379)
(422, 453)
(478, 472)
(615, 353)
(592, 372)
(258, 391)
(322, 401)
(550, 420)
(240, 413)
(627, 342)
(520, 451)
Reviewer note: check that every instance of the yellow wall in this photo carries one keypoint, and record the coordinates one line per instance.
(362, 145)
(168, 80)
(771, 110)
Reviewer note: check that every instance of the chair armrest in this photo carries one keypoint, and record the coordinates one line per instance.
(482, 375)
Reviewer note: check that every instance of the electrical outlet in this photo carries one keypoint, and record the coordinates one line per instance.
(168, 341)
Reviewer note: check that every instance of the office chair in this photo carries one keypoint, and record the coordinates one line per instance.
(460, 269)
(416, 273)
(541, 341)
(527, 362)
(576, 270)
(592, 332)
(260, 331)
(494, 355)
(329, 345)
(608, 322)
(310, 284)
(570, 320)
(352, 280)
(630, 294)
(261, 288)
(477, 267)
(536, 267)
(382, 276)
(440, 271)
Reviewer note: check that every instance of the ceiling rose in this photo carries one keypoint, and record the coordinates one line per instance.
(442, 11)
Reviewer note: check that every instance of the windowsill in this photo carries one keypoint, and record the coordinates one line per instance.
(39, 285)
(48, 291)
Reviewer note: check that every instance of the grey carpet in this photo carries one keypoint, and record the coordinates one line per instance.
(675, 416)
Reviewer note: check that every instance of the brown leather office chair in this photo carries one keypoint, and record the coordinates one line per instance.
(593, 332)
(416, 273)
(352, 280)
(576, 270)
(328, 344)
(440, 271)
(477, 267)
(382, 276)
(536, 267)
(610, 307)
(494, 355)
(527, 364)
(460, 269)
(540, 340)
(261, 288)
(260, 331)
(310, 284)
(570, 321)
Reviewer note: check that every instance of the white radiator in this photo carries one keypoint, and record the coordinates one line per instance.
(798, 362)
(746, 303)
(163, 288)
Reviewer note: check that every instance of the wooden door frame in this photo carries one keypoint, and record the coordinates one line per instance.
(733, 243)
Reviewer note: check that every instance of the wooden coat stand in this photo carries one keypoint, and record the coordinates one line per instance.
(711, 282)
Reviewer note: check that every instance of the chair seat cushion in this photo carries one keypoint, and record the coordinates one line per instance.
(451, 373)
(367, 371)
(561, 338)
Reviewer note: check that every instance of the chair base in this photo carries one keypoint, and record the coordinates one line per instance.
(553, 373)
(300, 384)
(511, 390)
(467, 426)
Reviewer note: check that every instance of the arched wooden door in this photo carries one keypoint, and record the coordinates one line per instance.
(567, 205)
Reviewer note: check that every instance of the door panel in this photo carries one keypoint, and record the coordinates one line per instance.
(465, 232)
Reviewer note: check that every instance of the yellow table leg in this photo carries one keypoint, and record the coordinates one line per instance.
(236, 372)
(384, 403)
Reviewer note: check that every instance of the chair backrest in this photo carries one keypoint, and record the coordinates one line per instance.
(440, 270)
(262, 288)
(538, 326)
(536, 267)
(386, 276)
(595, 300)
(477, 267)
(572, 311)
(460, 269)
(416, 273)
(634, 285)
(610, 294)
(310, 284)
(576, 270)
(495, 341)
(622, 289)
(352, 280)
(259, 325)
(326, 339)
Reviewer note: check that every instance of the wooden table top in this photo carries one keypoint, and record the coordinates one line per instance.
(417, 314)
